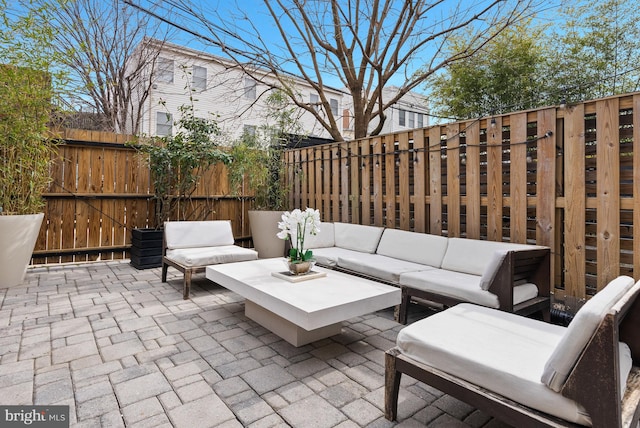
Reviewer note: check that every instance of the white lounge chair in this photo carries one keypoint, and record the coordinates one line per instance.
(526, 372)
(191, 246)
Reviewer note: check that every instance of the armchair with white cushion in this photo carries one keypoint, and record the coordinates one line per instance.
(526, 372)
(191, 246)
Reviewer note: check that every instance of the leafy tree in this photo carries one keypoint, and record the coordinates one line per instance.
(178, 161)
(29, 85)
(594, 54)
(597, 53)
(257, 157)
(503, 76)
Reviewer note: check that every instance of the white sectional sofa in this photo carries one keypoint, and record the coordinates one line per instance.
(511, 277)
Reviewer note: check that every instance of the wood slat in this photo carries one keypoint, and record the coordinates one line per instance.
(403, 181)
(390, 180)
(378, 189)
(435, 183)
(419, 182)
(453, 179)
(518, 171)
(472, 171)
(608, 173)
(354, 182)
(574, 225)
(636, 186)
(494, 179)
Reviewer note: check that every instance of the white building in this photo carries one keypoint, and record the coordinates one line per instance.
(237, 101)
(410, 112)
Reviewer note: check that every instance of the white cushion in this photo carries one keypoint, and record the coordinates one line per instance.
(413, 246)
(329, 256)
(462, 286)
(491, 269)
(191, 234)
(204, 256)
(582, 327)
(323, 239)
(357, 237)
(497, 350)
(472, 256)
(378, 266)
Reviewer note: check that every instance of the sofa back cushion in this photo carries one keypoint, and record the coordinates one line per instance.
(357, 237)
(322, 239)
(192, 234)
(413, 246)
(473, 256)
(582, 327)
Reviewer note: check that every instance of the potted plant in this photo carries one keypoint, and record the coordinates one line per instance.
(257, 166)
(26, 152)
(297, 225)
(176, 162)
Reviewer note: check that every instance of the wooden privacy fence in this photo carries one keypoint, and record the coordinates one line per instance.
(101, 189)
(567, 178)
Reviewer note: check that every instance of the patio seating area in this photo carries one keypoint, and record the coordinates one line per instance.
(122, 348)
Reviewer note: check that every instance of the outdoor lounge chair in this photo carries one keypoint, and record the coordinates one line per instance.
(526, 372)
(190, 246)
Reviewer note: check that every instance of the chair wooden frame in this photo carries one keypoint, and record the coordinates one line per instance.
(528, 265)
(593, 382)
(187, 271)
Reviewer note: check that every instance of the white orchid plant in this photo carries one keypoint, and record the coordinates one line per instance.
(295, 225)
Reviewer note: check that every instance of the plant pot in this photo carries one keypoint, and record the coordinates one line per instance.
(264, 228)
(146, 248)
(300, 268)
(18, 236)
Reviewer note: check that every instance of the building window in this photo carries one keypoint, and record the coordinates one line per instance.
(199, 78)
(164, 123)
(249, 88)
(314, 100)
(420, 120)
(334, 107)
(412, 120)
(165, 70)
(402, 117)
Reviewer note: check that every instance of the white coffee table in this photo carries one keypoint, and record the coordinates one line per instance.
(305, 311)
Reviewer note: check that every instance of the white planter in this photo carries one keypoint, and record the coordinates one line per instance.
(264, 228)
(18, 236)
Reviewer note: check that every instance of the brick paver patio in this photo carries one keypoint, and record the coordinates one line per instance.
(121, 348)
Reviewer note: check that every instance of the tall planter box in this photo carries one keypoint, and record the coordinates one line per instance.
(18, 236)
(146, 248)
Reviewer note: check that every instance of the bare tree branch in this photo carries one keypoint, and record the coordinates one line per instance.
(364, 44)
(105, 45)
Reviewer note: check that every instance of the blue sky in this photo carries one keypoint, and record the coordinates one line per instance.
(217, 11)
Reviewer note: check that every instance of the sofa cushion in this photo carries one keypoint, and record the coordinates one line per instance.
(413, 246)
(204, 256)
(357, 237)
(323, 239)
(329, 256)
(497, 350)
(472, 256)
(193, 234)
(492, 268)
(580, 330)
(462, 286)
(379, 266)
